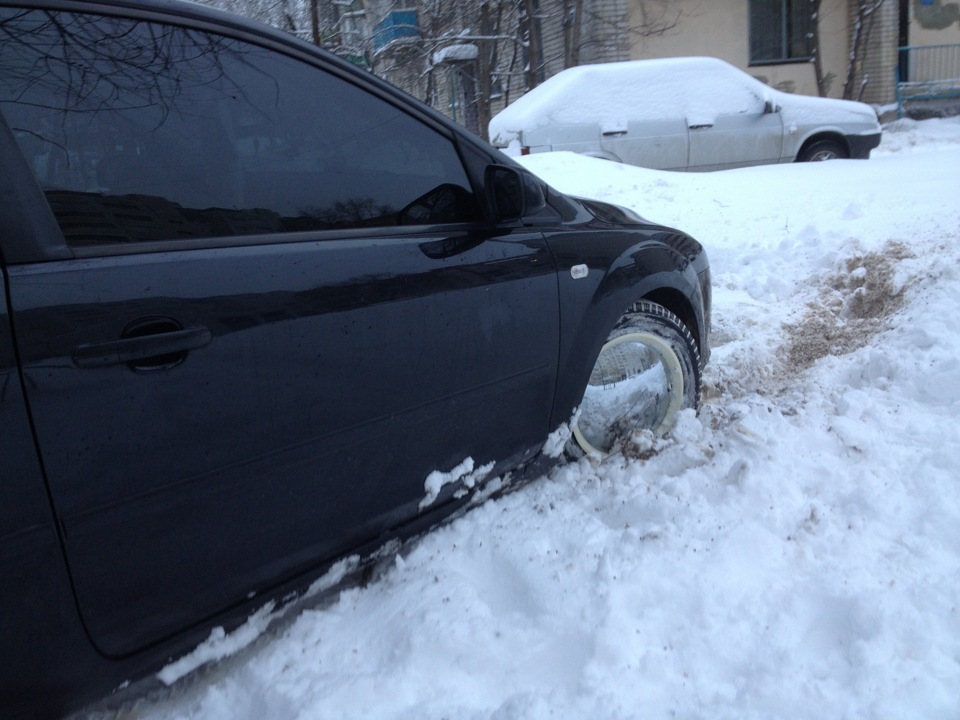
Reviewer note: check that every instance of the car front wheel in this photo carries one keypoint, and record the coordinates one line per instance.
(823, 150)
(647, 371)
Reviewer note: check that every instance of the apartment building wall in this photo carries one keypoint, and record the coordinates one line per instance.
(720, 28)
(936, 23)
(874, 78)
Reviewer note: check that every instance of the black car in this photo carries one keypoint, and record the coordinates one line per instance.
(256, 305)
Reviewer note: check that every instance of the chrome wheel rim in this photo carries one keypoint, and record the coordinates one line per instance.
(823, 155)
(636, 384)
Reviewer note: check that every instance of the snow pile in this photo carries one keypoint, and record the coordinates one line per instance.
(464, 472)
(925, 136)
(219, 645)
(791, 552)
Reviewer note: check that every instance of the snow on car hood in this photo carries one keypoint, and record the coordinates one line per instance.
(803, 110)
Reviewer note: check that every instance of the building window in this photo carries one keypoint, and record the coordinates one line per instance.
(781, 31)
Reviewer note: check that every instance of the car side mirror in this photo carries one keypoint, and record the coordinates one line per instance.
(770, 107)
(513, 193)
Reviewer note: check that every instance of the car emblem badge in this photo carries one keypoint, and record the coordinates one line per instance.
(578, 272)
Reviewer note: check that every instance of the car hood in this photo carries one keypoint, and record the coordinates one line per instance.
(847, 115)
(609, 213)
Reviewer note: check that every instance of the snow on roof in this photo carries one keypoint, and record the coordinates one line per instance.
(456, 53)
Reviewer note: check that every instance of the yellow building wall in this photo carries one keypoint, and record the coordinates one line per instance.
(719, 28)
(936, 24)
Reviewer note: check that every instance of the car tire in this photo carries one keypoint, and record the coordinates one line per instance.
(647, 371)
(823, 150)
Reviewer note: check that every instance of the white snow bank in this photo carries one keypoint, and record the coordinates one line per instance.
(920, 136)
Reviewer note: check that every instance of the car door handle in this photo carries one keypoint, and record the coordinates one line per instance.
(143, 347)
(704, 126)
(614, 133)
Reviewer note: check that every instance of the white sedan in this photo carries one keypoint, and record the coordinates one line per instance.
(682, 114)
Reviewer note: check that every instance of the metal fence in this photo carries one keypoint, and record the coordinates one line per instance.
(928, 72)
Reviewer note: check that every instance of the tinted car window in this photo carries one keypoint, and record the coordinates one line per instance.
(143, 131)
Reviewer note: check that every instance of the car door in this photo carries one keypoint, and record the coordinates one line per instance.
(731, 124)
(284, 310)
(657, 143)
(646, 127)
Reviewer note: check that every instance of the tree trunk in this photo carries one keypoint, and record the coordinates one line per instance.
(314, 22)
(468, 91)
(486, 61)
(822, 82)
(531, 72)
(856, 81)
(572, 25)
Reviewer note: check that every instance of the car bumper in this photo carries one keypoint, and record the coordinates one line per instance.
(861, 145)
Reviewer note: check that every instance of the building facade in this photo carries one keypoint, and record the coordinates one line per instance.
(855, 42)
(470, 58)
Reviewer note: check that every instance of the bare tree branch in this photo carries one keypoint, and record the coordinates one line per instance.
(857, 79)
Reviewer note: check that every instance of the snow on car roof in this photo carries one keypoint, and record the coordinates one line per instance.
(639, 90)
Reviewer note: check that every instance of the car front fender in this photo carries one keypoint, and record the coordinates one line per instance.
(601, 274)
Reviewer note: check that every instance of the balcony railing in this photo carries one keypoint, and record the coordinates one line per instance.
(397, 25)
(928, 72)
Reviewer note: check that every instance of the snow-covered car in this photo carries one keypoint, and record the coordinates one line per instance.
(682, 114)
(261, 313)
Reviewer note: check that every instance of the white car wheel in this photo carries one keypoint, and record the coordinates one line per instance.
(646, 372)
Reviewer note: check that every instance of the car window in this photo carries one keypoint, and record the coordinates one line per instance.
(727, 91)
(685, 89)
(144, 131)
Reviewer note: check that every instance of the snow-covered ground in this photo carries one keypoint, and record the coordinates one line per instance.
(791, 552)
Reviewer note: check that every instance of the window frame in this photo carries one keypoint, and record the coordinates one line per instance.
(789, 11)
